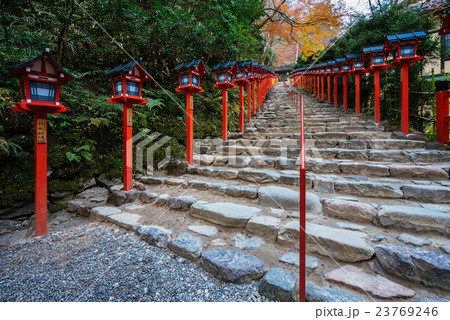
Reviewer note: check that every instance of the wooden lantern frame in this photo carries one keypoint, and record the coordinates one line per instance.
(229, 68)
(191, 67)
(133, 71)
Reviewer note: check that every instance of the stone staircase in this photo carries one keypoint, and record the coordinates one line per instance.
(378, 207)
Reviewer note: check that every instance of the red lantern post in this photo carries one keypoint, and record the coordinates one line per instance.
(241, 79)
(377, 63)
(253, 77)
(40, 81)
(189, 74)
(329, 73)
(337, 70)
(357, 67)
(322, 77)
(127, 80)
(345, 72)
(404, 48)
(225, 72)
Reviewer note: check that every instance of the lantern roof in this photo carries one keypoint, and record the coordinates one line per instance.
(373, 50)
(257, 66)
(330, 63)
(406, 36)
(19, 69)
(339, 61)
(227, 65)
(353, 56)
(446, 24)
(245, 64)
(196, 64)
(128, 66)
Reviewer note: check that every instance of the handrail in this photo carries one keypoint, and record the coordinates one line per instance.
(297, 101)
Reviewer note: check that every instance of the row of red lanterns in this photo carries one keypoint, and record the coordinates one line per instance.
(402, 46)
(42, 77)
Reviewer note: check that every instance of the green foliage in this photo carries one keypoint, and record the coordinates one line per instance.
(87, 140)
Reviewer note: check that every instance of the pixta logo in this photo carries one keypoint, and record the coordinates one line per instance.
(149, 143)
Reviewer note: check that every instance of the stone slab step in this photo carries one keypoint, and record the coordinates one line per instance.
(225, 214)
(425, 267)
(415, 218)
(377, 286)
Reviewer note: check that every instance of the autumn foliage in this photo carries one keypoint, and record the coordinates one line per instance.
(308, 23)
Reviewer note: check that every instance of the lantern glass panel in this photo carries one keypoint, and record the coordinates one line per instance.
(42, 91)
(336, 69)
(230, 78)
(358, 65)
(407, 51)
(377, 60)
(239, 75)
(118, 87)
(184, 79)
(346, 67)
(259, 74)
(222, 77)
(133, 88)
(329, 70)
(246, 75)
(195, 80)
(22, 87)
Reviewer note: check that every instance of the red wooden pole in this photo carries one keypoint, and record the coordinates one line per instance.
(335, 91)
(258, 104)
(314, 84)
(357, 97)
(127, 147)
(40, 174)
(302, 237)
(190, 128)
(318, 87)
(329, 89)
(224, 114)
(241, 108)
(254, 97)
(249, 101)
(345, 92)
(405, 98)
(377, 95)
(322, 78)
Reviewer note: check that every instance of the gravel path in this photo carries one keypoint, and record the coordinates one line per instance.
(101, 262)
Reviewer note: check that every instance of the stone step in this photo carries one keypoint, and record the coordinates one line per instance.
(342, 245)
(225, 214)
(358, 186)
(337, 167)
(379, 144)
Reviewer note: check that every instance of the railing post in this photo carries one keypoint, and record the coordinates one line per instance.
(302, 235)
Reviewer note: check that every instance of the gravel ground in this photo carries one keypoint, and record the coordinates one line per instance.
(101, 262)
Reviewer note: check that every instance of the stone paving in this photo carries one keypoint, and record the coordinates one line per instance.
(378, 202)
